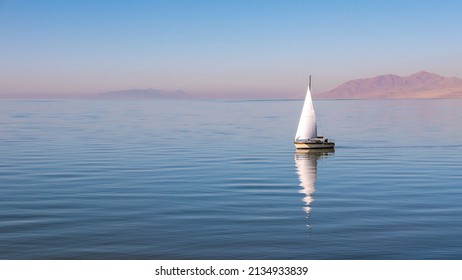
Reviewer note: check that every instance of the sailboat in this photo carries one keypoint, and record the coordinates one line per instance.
(307, 136)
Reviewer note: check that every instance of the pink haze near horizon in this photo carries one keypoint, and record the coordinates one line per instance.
(220, 49)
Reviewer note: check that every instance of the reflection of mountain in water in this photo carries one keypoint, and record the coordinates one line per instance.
(306, 164)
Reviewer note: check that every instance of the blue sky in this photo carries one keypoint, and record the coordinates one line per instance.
(220, 48)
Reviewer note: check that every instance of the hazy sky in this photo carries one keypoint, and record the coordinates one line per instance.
(221, 48)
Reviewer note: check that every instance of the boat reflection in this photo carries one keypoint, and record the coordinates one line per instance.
(306, 162)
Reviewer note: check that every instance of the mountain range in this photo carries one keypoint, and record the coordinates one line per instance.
(420, 85)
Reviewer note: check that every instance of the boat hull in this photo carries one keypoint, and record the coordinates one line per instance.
(314, 145)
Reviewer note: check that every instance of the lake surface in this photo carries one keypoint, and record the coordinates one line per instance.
(217, 179)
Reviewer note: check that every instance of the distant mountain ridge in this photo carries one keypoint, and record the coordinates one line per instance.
(420, 85)
(145, 93)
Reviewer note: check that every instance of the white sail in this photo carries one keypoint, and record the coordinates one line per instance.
(307, 128)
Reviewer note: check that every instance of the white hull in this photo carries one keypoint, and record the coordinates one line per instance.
(328, 145)
(317, 143)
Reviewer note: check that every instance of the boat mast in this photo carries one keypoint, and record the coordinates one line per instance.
(309, 83)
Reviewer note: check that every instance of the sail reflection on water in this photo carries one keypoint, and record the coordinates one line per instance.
(306, 162)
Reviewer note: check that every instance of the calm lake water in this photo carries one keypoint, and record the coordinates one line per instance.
(215, 179)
